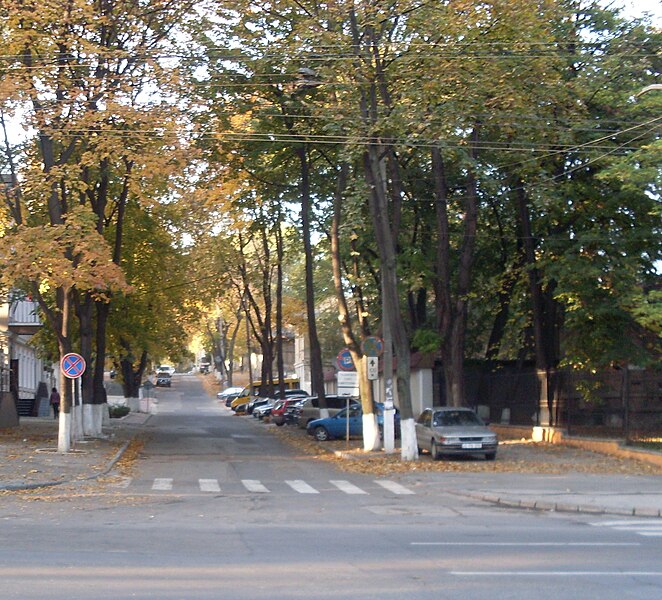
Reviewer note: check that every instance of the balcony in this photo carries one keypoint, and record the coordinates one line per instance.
(23, 318)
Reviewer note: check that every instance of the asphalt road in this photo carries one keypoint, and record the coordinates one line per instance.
(217, 508)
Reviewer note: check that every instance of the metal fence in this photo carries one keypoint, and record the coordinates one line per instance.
(619, 403)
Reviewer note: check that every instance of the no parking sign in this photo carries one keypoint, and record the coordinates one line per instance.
(72, 365)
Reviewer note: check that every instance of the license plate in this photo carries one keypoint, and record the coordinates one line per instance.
(471, 446)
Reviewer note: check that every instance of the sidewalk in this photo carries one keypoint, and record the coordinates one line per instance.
(622, 495)
(526, 476)
(29, 457)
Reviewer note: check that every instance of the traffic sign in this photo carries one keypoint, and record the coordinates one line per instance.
(372, 346)
(372, 367)
(72, 365)
(344, 360)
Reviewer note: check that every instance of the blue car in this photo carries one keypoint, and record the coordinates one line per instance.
(336, 426)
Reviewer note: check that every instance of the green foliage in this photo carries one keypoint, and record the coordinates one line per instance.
(426, 341)
(117, 411)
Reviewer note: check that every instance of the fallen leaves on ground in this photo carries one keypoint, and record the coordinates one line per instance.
(514, 456)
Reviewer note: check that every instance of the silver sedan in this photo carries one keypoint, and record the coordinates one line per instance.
(454, 431)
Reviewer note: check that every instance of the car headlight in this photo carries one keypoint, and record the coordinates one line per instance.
(448, 440)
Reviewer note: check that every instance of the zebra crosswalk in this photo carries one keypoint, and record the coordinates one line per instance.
(255, 486)
(643, 527)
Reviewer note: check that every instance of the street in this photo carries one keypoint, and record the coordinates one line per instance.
(217, 507)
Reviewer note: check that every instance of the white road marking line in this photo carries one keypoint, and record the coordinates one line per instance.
(347, 487)
(209, 485)
(646, 528)
(527, 544)
(254, 485)
(557, 573)
(162, 484)
(628, 522)
(298, 485)
(124, 482)
(394, 487)
(640, 528)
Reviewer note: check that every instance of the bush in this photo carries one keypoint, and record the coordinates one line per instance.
(117, 411)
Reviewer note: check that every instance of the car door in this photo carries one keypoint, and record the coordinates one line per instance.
(355, 420)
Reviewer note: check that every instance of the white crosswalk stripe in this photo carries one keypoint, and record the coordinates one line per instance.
(298, 485)
(347, 487)
(646, 528)
(253, 485)
(162, 484)
(209, 485)
(394, 487)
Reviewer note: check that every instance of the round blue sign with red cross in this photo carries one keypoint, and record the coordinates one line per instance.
(72, 365)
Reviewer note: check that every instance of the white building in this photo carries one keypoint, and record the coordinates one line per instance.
(26, 380)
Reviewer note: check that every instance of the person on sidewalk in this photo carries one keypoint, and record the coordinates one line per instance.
(55, 403)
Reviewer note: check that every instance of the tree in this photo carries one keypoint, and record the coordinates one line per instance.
(78, 77)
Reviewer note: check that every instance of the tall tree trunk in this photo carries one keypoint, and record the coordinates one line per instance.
(371, 439)
(543, 313)
(375, 174)
(452, 308)
(280, 359)
(316, 368)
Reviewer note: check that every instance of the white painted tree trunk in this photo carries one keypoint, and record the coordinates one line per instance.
(64, 433)
(93, 419)
(77, 423)
(389, 431)
(371, 441)
(409, 446)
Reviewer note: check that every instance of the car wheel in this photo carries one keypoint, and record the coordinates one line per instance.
(321, 434)
(434, 451)
(490, 456)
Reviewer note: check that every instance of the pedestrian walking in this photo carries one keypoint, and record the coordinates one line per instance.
(55, 403)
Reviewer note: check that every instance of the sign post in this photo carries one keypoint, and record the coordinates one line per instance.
(73, 366)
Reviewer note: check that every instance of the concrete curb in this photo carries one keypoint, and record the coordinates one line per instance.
(545, 506)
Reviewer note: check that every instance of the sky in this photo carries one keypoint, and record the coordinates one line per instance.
(636, 8)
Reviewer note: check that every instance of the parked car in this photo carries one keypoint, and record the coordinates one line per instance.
(310, 409)
(163, 379)
(293, 411)
(255, 403)
(336, 426)
(256, 389)
(454, 431)
(281, 408)
(241, 409)
(227, 392)
(261, 400)
(265, 410)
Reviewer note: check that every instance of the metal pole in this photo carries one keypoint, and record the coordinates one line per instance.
(389, 412)
(626, 404)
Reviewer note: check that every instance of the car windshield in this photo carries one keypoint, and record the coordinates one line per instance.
(455, 418)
